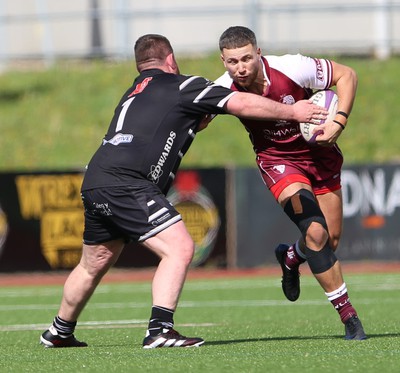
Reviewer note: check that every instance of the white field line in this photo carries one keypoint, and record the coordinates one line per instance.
(182, 304)
(386, 285)
(143, 288)
(194, 304)
(108, 324)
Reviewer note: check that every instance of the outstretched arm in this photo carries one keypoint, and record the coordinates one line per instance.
(251, 106)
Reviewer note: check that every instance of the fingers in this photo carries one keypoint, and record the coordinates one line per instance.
(318, 114)
(317, 117)
(309, 112)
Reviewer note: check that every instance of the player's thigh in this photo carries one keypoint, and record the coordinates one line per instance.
(291, 190)
(331, 205)
(174, 241)
(102, 256)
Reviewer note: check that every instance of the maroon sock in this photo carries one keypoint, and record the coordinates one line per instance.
(292, 258)
(341, 302)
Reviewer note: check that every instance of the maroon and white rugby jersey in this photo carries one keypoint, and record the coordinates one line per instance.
(291, 78)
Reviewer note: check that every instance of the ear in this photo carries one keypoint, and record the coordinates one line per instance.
(223, 59)
(171, 64)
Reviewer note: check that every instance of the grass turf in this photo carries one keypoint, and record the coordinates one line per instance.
(246, 322)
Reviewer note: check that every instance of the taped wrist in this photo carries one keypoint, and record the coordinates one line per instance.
(320, 261)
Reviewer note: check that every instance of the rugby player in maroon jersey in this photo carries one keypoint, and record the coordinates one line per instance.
(304, 179)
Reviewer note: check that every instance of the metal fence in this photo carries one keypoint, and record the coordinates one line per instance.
(47, 30)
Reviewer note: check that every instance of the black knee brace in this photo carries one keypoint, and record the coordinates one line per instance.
(302, 208)
(320, 261)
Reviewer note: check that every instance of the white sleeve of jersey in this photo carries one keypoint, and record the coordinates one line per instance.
(314, 73)
(225, 80)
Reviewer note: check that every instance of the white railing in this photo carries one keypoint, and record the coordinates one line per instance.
(47, 30)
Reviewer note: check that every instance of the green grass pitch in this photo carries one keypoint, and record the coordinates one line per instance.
(246, 322)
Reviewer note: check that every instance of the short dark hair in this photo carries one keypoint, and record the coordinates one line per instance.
(236, 37)
(151, 48)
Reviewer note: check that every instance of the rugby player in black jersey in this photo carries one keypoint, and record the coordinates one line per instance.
(126, 182)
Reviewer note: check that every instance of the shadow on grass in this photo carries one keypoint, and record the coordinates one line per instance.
(271, 339)
(295, 338)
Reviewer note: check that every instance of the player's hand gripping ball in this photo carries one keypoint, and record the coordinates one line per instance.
(327, 99)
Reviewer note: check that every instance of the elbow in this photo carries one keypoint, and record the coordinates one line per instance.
(353, 76)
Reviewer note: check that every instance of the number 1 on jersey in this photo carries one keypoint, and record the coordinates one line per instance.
(122, 114)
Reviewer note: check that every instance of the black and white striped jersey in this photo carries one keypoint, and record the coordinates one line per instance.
(152, 128)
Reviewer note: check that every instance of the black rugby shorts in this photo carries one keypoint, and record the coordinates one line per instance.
(133, 213)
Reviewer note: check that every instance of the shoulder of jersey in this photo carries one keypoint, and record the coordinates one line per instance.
(225, 80)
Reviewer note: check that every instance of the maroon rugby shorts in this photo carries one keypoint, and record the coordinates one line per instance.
(322, 175)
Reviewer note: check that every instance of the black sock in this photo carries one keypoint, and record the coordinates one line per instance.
(160, 318)
(64, 328)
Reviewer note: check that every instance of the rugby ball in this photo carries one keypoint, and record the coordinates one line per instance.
(327, 99)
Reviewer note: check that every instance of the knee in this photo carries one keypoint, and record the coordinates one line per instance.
(186, 250)
(180, 250)
(316, 236)
(303, 209)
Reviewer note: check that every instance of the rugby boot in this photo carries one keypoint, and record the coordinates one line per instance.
(354, 329)
(290, 276)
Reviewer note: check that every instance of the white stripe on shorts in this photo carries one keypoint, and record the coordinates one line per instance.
(157, 214)
(160, 228)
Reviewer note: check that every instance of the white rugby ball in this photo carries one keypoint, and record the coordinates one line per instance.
(327, 99)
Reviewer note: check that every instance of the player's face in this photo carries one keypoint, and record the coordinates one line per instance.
(242, 64)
